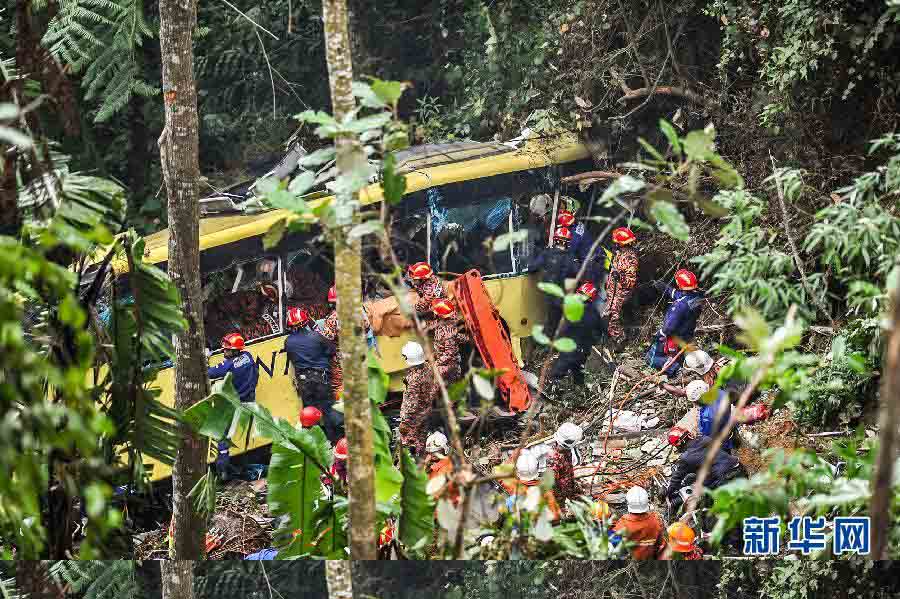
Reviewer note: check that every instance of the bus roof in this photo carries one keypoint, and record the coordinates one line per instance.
(424, 166)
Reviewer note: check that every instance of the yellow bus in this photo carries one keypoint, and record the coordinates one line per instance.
(458, 196)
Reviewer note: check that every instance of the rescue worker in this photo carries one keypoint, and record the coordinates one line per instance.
(555, 265)
(682, 539)
(330, 329)
(448, 337)
(427, 285)
(563, 460)
(641, 526)
(310, 355)
(582, 240)
(527, 477)
(437, 462)
(339, 467)
(679, 322)
(620, 283)
(698, 363)
(245, 376)
(583, 333)
(725, 467)
(713, 417)
(310, 417)
(418, 398)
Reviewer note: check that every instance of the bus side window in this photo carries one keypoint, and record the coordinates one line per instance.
(242, 298)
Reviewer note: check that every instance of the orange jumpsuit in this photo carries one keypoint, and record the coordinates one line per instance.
(646, 531)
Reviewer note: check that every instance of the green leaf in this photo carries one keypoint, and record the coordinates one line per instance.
(388, 91)
(672, 135)
(416, 506)
(700, 145)
(375, 121)
(316, 117)
(573, 307)
(367, 228)
(650, 149)
(367, 95)
(276, 232)
(483, 386)
(537, 331)
(8, 111)
(551, 289)
(14, 137)
(670, 220)
(293, 490)
(502, 242)
(318, 158)
(565, 345)
(392, 184)
(302, 183)
(622, 185)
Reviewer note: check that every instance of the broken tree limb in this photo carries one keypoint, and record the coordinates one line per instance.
(591, 175)
(667, 90)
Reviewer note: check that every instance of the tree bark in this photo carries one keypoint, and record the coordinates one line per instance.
(880, 508)
(178, 147)
(347, 264)
(340, 579)
(177, 577)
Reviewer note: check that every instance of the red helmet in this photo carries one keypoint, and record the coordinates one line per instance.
(233, 341)
(623, 236)
(297, 317)
(588, 290)
(565, 218)
(563, 233)
(340, 449)
(686, 280)
(332, 295)
(443, 308)
(677, 436)
(310, 416)
(419, 271)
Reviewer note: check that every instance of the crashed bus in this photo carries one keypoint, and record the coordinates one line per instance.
(458, 195)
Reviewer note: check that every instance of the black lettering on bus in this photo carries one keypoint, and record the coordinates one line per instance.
(270, 370)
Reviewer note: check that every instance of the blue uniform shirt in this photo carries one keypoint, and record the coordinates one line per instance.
(580, 246)
(681, 316)
(712, 421)
(244, 372)
(308, 349)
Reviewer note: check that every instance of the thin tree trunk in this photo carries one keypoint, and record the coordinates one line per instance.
(880, 508)
(340, 579)
(177, 577)
(178, 146)
(347, 264)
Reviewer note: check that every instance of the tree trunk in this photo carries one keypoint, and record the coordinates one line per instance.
(178, 147)
(880, 509)
(177, 576)
(340, 579)
(347, 265)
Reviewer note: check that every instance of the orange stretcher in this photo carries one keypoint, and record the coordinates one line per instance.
(491, 338)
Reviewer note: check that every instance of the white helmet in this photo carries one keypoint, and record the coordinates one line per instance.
(695, 390)
(638, 500)
(436, 442)
(698, 362)
(413, 353)
(568, 435)
(540, 204)
(527, 467)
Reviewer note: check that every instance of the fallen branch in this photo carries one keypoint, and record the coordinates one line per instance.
(591, 175)
(667, 90)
